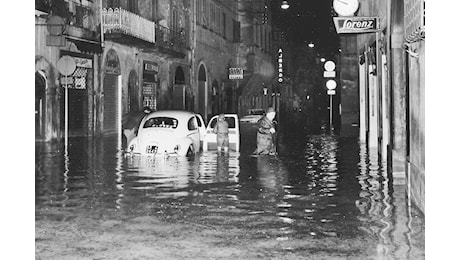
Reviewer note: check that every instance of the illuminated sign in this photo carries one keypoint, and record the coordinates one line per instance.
(356, 24)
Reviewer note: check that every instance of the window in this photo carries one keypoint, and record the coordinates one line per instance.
(230, 121)
(192, 124)
(224, 25)
(163, 122)
(132, 6)
(198, 121)
(199, 11)
(175, 20)
(236, 31)
(154, 10)
(113, 3)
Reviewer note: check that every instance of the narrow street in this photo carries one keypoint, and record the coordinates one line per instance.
(322, 197)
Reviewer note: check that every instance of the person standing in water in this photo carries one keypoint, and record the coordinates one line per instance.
(265, 132)
(221, 131)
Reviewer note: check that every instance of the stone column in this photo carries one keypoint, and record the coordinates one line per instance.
(398, 68)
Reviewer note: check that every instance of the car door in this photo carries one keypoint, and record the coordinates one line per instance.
(210, 140)
(201, 126)
(194, 132)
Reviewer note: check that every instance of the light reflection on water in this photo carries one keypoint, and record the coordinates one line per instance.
(329, 188)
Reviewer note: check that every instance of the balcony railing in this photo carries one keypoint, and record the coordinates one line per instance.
(174, 40)
(120, 20)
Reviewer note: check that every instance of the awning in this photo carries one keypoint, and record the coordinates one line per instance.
(86, 46)
(254, 85)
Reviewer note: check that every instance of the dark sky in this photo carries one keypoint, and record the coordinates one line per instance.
(308, 21)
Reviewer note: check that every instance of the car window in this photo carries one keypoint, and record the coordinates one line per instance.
(230, 121)
(198, 121)
(258, 112)
(192, 124)
(163, 122)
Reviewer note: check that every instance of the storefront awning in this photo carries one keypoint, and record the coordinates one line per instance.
(86, 46)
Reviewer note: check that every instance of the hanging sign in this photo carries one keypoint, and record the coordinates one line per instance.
(356, 24)
(235, 73)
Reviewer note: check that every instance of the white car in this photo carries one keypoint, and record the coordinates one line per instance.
(169, 132)
(210, 141)
(253, 116)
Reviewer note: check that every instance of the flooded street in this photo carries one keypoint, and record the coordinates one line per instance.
(322, 197)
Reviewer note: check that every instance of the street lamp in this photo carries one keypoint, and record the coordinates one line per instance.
(284, 5)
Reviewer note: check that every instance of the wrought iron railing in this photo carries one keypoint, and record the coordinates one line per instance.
(120, 20)
(167, 38)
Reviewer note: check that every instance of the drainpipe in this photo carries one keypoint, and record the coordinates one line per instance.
(192, 57)
(102, 27)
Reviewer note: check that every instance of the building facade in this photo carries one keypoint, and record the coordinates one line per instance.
(215, 40)
(256, 55)
(66, 28)
(388, 68)
(129, 54)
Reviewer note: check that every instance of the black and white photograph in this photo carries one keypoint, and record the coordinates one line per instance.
(229, 129)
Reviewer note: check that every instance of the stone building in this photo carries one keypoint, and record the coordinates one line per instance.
(256, 55)
(146, 57)
(385, 69)
(66, 28)
(215, 41)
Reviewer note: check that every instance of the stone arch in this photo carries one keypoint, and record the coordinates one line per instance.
(111, 89)
(179, 76)
(133, 91)
(202, 91)
(40, 105)
(215, 97)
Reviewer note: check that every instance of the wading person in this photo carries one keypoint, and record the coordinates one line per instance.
(221, 131)
(265, 133)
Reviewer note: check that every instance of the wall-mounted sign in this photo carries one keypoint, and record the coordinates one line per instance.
(235, 73)
(329, 74)
(112, 63)
(356, 24)
(329, 65)
(83, 62)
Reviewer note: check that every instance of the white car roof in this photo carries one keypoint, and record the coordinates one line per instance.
(179, 114)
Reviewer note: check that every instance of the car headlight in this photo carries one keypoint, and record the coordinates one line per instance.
(176, 148)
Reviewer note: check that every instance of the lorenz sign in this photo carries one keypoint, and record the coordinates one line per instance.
(356, 24)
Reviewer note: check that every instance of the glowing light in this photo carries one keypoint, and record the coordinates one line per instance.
(323, 59)
(311, 45)
(284, 5)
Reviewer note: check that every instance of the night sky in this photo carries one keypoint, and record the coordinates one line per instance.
(308, 21)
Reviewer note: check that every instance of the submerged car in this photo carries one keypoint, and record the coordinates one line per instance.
(253, 115)
(169, 132)
(210, 139)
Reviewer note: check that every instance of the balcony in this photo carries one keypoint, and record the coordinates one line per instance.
(78, 20)
(171, 42)
(127, 28)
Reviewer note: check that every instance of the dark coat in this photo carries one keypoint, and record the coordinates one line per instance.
(265, 144)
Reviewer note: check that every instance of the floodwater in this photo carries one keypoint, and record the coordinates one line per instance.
(322, 197)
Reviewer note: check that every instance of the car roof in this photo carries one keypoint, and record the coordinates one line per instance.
(226, 115)
(179, 114)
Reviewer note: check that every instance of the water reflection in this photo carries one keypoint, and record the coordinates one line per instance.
(320, 186)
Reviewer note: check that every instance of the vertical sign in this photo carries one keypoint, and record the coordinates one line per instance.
(149, 84)
(280, 65)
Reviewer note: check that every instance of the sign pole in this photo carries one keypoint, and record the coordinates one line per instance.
(66, 115)
(236, 99)
(330, 113)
